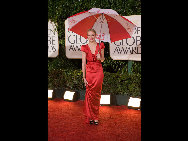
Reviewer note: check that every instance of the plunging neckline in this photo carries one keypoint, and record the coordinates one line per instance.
(95, 49)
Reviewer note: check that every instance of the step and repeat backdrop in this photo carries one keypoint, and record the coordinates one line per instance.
(73, 43)
(53, 43)
(126, 49)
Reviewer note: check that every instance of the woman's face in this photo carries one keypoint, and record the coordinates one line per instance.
(91, 36)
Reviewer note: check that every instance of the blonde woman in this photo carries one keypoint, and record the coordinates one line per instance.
(92, 76)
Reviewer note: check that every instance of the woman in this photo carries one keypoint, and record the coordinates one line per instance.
(92, 76)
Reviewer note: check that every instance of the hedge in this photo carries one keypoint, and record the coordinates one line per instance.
(113, 83)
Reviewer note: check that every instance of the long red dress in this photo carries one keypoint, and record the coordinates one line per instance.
(94, 77)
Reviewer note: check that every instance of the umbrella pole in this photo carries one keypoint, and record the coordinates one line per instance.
(100, 33)
(99, 42)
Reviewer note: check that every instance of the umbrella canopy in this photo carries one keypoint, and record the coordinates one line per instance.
(107, 23)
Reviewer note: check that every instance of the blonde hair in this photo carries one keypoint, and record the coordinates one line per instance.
(92, 31)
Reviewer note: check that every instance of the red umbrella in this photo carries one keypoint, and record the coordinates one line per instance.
(107, 23)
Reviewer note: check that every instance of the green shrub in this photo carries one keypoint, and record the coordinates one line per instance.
(113, 83)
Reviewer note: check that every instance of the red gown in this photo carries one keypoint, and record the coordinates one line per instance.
(94, 77)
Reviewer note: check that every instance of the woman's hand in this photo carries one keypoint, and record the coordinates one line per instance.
(98, 56)
(85, 82)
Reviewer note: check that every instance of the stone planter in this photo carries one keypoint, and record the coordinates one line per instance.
(58, 93)
(122, 100)
(82, 94)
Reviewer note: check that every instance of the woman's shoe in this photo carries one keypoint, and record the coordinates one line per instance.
(96, 122)
(91, 121)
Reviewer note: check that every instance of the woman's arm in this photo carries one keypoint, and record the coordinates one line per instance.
(84, 64)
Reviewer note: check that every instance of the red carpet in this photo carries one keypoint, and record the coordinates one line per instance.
(116, 123)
